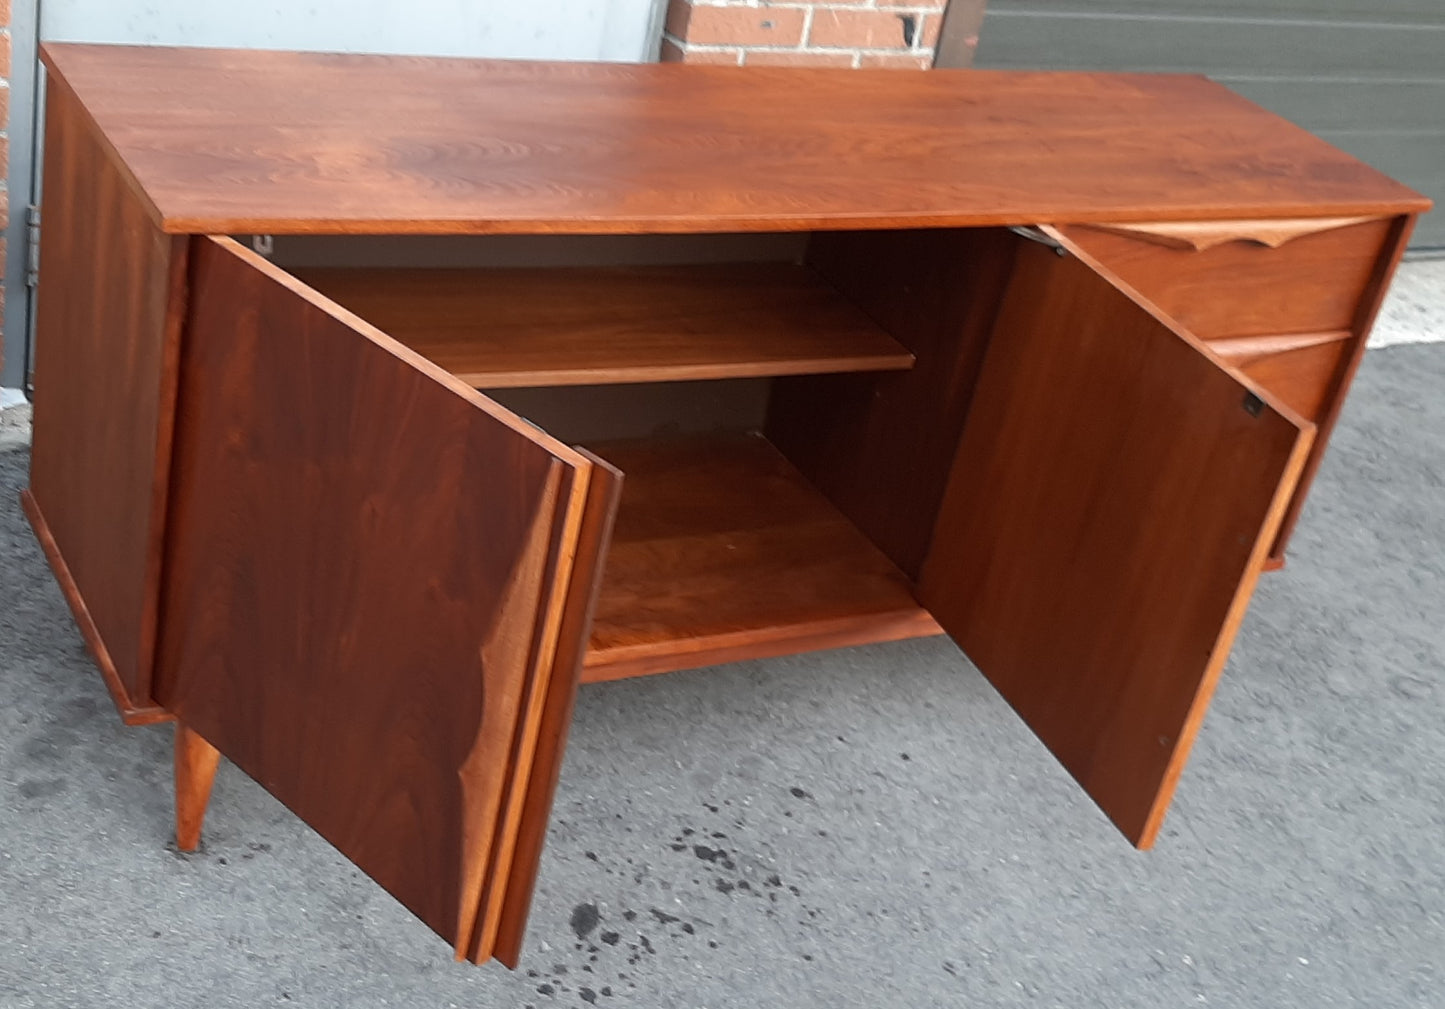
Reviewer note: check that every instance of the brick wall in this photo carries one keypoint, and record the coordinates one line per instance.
(901, 34)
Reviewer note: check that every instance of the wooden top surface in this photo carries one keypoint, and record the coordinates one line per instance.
(243, 140)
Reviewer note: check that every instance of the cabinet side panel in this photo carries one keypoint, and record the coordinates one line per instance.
(879, 445)
(1369, 307)
(109, 314)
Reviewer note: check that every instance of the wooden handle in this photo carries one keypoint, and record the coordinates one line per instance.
(1201, 235)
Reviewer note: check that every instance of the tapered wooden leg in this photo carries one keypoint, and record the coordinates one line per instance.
(196, 762)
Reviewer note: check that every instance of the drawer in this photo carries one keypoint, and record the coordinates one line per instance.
(1301, 369)
(1244, 278)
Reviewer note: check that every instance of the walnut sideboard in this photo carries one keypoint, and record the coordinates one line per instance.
(1041, 361)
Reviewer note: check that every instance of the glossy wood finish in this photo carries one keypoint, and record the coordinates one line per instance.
(1311, 284)
(366, 563)
(604, 491)
(1397, 237)
(722, 552)
(1112, 502)
(880, 446)
(537, 327)
(105, 360)
(1302, 369)
(1326, 281)
(1200, 235)
(195, 771)
(130, 713)
(401, 144)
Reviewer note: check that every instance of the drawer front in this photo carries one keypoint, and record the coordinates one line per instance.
(1303, 371)
(1258, 278)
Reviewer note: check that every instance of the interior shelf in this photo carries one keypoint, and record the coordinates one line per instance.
(723, 551)
(504, 328)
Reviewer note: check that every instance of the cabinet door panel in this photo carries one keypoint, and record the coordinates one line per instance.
(1108, 512)
(367, 583)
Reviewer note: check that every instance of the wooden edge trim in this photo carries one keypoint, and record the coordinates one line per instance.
(1365, 314)
(1197, 236)
(1219, 654)
(130, 712)
(167, 403)
(529, 588)
(396, 349)
(561, 561)
(690, 224)
(901, 361)
(56, 79)
(1202, 346)
(1233, 347)
(843, 632)
(604, 493)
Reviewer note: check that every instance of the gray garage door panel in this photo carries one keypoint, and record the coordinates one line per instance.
(1367, 76)
(1377, 106)
(1399, 11)
(1215, 45)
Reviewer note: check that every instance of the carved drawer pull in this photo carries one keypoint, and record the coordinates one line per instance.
(1201, 235)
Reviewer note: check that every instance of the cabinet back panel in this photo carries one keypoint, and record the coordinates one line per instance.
(537, 250)
(593, 413)
(879, 445)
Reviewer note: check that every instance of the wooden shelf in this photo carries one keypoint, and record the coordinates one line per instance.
(722, 551)
(504, 328)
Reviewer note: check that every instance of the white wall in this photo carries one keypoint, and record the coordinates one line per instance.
(620, 30)
(540, 29)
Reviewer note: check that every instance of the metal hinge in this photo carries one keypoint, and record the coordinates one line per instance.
(32, 245)
(1036, 234)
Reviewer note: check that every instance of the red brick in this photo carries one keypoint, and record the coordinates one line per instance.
(5, 56)
(674, 53)
(871, 29)
(927, 37)
(918, 5)
(4, 12)
(795, 58)
(895, 61)
(735, 26)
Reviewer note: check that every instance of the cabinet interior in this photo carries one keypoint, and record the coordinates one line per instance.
(783, 458)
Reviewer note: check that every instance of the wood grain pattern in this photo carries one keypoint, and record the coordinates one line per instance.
(1309, 285)
(523, 327)
(130, 713)
(107, 337)
(363, 560)
(1301, 369)
(1197, 236)
(195, 771)
(402, 144)
(1113, 498)
(722, 551)
(1397, 238)
(604, 491)
(879, 446)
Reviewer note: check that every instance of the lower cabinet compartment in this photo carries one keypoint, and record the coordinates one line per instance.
(723, 551)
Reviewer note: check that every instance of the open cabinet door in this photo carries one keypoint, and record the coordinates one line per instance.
(375, 593)
(1113, 498)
